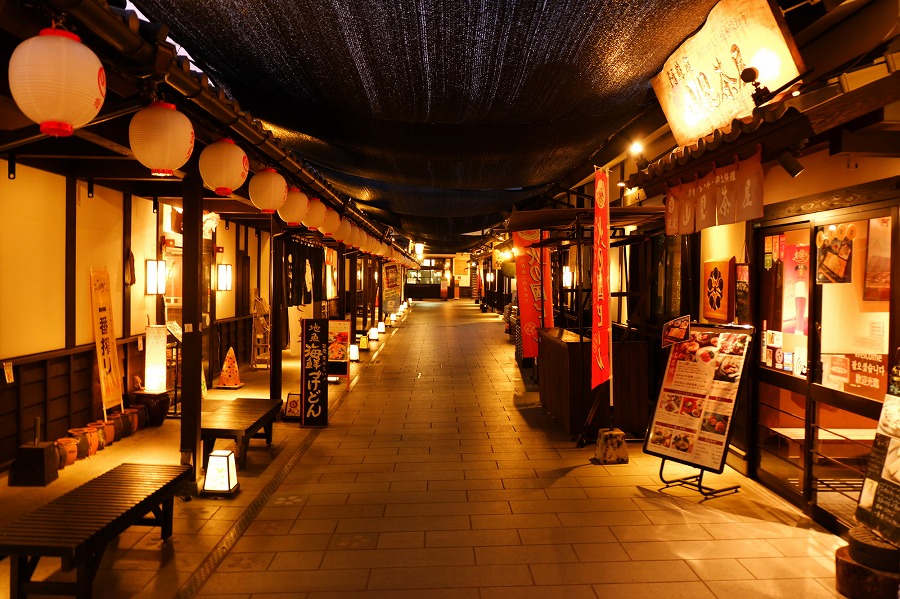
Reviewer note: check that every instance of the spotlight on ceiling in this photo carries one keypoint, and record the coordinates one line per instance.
(790, 164)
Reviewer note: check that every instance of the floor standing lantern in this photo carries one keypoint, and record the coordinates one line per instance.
(381, 328)
(373, 334)
(155, 358)
(221, 474)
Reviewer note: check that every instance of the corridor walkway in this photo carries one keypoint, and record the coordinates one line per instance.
(439, 476)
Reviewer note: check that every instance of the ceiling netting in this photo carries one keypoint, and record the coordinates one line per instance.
(437, 115)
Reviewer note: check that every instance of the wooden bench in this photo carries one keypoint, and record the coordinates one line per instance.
(240, 420)
(78, 525)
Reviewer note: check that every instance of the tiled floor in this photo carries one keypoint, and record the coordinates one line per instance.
(439, 476)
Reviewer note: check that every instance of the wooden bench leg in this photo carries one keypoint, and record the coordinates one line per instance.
(21, 568)
(268, 429)
(242, 442)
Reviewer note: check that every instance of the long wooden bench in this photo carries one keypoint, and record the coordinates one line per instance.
(78, 525)
(241, 420)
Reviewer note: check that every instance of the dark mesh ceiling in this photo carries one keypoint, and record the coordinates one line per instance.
(422, 108)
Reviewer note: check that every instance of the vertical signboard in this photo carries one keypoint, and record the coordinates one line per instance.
(391, 288)
(339, 349)
(879, 500)
(105, 340)
(533, 285)
(601, 362)
(314, 373)
(692, 420)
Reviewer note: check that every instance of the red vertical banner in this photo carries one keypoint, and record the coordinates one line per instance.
(533, 287)
(601, 362)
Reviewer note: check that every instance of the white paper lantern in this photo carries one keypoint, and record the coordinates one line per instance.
(295, 207)
(224, 166)
(344, 231)
(161, 138)
(155, 358)
(57, 81)
(331, 223)
(268, 190)
(315, 215)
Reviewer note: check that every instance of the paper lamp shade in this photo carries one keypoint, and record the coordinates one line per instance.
(161, 138)
(331, 223)
(57, 81)
(221, 473)
(268, 190)
(344, 231)
(224, 166)
(354, 353)
(155, 358)
(315, 215)
(373, 334)
(420, 249)
(295, 207)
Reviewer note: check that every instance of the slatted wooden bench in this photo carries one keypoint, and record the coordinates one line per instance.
(78, 525)
(241, 420)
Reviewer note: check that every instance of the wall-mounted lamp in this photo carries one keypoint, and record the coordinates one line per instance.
(90, 188)
(420, 249)
(223, 277)
(567, 277)
(221, 474)
(790, 164)
(155, 205)
(637, 151)
(156, 277)
(11, 166)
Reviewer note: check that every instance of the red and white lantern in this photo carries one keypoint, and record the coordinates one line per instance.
(315, 215)
(161, 138)
(295, 207)
(224, 166)
(57, 81)
(331, 223)
(268, 190)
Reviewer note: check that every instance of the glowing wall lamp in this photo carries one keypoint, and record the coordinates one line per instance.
(223, 277)
(155, 358)
(221, 474)
(156, 277)
(567, 277)
(354, 353)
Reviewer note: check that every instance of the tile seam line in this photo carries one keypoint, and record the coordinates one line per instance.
(199, 577)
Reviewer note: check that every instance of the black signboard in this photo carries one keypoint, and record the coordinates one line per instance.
(314, 373)
(879, 500)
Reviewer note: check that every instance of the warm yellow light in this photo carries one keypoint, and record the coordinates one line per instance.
(221, 473)
(568, 279)
(354, 353)
(420, 249)
(155, 358)
(373, 334)
(381, 328)
(636, 149)
(156, 277)
(224, 277)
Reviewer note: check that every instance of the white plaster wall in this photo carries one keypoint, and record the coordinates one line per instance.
(32, 262)
(144, 244)
(227, 240)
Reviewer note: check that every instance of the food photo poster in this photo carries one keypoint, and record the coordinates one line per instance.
(692, 419)
(879, 500)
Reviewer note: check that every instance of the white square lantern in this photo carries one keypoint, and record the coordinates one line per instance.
(155, 358)
(221, 474)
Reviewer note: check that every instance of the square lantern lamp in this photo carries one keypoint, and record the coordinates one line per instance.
(364, 342)
(393, 320)
(373, 334)
(381, 327)
(354, 352)
(224, 277)
(156, 277)
(155, 358)
(221, 474)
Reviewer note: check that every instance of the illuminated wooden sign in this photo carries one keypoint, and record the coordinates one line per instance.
(700, 88)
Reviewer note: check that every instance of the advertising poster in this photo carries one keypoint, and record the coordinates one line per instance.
(314, 373)
(105, 340)
(692, 420)
(879, 501)
(391, 288)
(339, 348)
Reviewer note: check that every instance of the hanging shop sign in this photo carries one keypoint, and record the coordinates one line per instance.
(533, 285)
(725, 195)
(879, 500)
(314, 373)
(718, 290)
(391, 276)
(692, 420)
(105, 340)
(700, 87)
(601, 361)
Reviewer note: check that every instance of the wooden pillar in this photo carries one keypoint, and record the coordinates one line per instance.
(277, 308)
(354, 301)
(192, 313)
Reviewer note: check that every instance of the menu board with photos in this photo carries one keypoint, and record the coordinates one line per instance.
(879, 501)
(692, 420)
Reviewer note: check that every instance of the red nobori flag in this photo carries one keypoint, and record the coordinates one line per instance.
(533, 288)
(601, 363)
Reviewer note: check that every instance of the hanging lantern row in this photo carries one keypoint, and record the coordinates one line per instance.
(224, 166)
(268, 190)
(161, 138)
